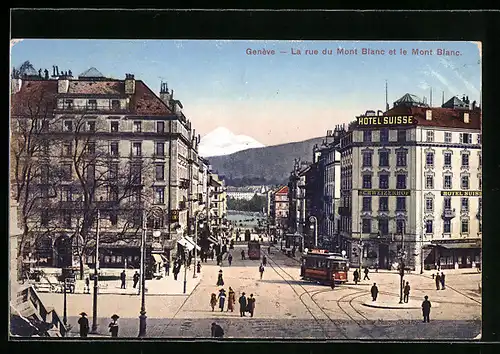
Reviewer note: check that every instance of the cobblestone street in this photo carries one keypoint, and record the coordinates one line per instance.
(287, 307)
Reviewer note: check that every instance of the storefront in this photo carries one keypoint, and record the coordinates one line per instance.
(454, 255)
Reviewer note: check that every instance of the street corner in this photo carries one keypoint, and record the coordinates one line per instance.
(392, 303)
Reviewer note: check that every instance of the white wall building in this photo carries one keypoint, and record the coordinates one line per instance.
(416, 186)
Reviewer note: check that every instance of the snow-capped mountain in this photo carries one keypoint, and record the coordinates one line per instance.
(222, 141)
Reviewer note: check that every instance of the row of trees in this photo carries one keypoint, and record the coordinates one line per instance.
(60, 168)
(256, 204)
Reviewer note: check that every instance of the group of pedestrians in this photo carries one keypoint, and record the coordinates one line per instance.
(246, 304)
(439, 279)
(356, 276)
(83, 322)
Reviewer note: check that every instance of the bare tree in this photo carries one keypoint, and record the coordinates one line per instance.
(33, 179)
(106, 181)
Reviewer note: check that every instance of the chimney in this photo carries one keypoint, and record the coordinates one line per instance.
(428, 114)
(129, 84)
(16, 85)
(62, 85)
(473, 104)
(466, 117)
(165, 96)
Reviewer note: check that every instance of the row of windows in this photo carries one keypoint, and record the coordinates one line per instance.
(91, 104)
(464, 204)
(384, 181)
(464, 138)
(383, 204)
(401, 159)
(90, 126)
(447, 182)
(383, 226)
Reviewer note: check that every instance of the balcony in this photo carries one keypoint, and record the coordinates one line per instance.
(448, 214)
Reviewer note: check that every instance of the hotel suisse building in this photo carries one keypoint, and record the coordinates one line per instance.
(411, 180)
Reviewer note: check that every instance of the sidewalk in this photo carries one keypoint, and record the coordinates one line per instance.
(392, 302)
(164, 286)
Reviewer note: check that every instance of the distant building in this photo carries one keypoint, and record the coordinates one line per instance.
(281, 207)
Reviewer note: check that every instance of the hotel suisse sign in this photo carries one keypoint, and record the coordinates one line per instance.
(384, 192)
(385, 121)
(461, 193)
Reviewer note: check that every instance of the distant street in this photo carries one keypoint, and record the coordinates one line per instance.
(287, 307)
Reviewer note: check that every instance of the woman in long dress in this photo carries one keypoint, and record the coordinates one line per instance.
(213, 301)
(231, 300)
(220, 281)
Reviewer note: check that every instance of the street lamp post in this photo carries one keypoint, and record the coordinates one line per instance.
(185, 272)
(65, 311)
(155, 212)
(402, 265)
(313, 219)
(96, 270)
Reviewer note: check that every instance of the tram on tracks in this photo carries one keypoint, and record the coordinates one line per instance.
(323, 266)
(254, 249)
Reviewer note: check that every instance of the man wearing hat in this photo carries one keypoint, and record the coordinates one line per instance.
(426, 308)
(217, 331)
(113, 326)
(84, 325)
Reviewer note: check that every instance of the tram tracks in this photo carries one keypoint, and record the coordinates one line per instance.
(313, 307)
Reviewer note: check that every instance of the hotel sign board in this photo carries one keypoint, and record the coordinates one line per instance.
(461, 193)
(385, 121)
(384, 192)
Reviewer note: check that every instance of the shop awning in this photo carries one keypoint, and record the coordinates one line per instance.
(213, 240)
(157, 258)
(185, 243)
(462, 245)
(191, 241)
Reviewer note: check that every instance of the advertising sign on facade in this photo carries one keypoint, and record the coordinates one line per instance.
(384, 192)
(461, 193)
(385, 121)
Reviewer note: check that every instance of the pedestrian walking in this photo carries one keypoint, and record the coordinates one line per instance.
(261, 270)
(264, 260)
(332, 284)
(198, 267)
(213, 301)
(231, 300)
(136, 278)
(426, 308)
(167, 268)
(438, 281)
(251, 305)
(442, 280)
(113, 326)
(374, 291)
(242, 255)
(222, 299)
(176, 271)
(406, 292)
(366, 274)
(243, 304)
(355, 276)
(122, 277)
(84, 325)
(87, 285)
(230, 258)
(217, 331)
(220, 281)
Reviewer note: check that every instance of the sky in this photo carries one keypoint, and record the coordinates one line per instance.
(276, 98)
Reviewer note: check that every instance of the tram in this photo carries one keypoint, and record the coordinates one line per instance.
(323, 266)
(254, 249)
